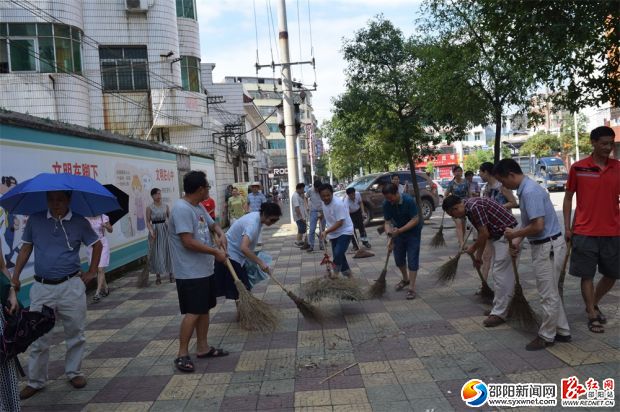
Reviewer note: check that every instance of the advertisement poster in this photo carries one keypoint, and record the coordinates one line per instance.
(132, 169)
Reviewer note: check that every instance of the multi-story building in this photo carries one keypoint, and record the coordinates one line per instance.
(267, 95)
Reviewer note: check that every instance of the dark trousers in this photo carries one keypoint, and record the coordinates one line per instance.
(358, 223)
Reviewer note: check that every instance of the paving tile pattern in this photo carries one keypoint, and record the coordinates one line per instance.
(408, 355)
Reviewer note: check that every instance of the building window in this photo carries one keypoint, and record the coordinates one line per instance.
(42, 48)
(190, 73)
(267, 111)
(124, 68)
(478, 136)
(276, 144)
(273, 127)
(186, 8)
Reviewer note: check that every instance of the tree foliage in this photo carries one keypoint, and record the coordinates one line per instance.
(473, 160)
(541, 145)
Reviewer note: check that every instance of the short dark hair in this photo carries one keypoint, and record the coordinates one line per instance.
(317, 183)
(155, 190)
(469, 173)
(506, 166)
(67, 193)
(487, 167)
(602, 131)
(299, 186)
(389, 189)
(393, 175)
(326, 186)
(7, 180)
(455, 168)
(350, 190)
(449, 202)
(194, 180)
(270, 210)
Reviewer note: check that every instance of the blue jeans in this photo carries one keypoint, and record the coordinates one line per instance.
(339, 250)
(407, 249)
(314, 219)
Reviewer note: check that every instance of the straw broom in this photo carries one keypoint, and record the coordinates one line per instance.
(333, 286)
(361, 251)
(254, 314)
(485, 291)
(307, 310)
(438, 240)
(519, 308)
(377, 289)
(446, 272)
(563, 272)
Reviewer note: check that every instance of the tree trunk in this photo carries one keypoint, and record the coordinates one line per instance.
(498, 134)
(414, 180)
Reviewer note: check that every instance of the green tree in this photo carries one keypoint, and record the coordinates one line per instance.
(386, 95)
(506, 153)
(430, 168)
(473, 160)
(567, 144)
(541, 145)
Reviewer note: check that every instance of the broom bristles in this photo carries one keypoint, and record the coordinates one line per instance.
(338, 288)
(254, 314)
(486, 292)
(521, 311)
(377, 289)
(438, 240)
(362, 253)
(447, 272)
(307, 310)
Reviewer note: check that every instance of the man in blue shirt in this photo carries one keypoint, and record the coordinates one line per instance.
(404, 229)
(539, 223)
(56, 236)
(255, 197)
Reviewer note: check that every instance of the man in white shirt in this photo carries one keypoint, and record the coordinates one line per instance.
(299, 212)
(315, 205)
(339, 228)
(353, 200)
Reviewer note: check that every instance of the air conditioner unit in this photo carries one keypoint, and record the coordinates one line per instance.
(137, 6)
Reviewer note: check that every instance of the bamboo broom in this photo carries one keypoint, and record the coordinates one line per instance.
(446, 272)
(438, 240)
(519, 308)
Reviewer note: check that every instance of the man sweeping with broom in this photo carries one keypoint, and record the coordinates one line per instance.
(404, 228)
(339, 228)
(540, 225)
(490, 219)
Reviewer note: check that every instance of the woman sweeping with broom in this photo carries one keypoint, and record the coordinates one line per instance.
(490, 220)
(540, 225)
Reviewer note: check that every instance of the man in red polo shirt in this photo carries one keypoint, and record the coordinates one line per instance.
(595, 234)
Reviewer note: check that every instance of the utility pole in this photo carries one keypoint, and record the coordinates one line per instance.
(288, 103)
(300, 163)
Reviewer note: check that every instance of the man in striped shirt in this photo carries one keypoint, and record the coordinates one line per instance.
(490, 220)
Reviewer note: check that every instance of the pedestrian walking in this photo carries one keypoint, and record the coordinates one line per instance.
(193, 254)
(490, 219)
(540, 225)
(157, 218)
(458, 186)
(404, 229)
(9, 387)
(242, 239)
(315, 205)
(401, 188)
(357, 213)
(55, 236)
(472, 187)
(101, 225)
(255, 198)
(237, 207)
(339, 228)
(595, 235)
(299, 211)
(495, 191)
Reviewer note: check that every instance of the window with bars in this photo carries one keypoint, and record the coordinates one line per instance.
(124, 68)
(186, 8)
(39, 47)
(190, 73)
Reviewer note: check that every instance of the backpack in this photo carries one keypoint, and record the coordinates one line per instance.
(21, 329)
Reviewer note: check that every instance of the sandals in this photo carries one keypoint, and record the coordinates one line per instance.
(184, 364)
(105, 292)
(401, 285)
(595, 326)
(213, 353)
(96, 298)
(601, 318)
(410, 295)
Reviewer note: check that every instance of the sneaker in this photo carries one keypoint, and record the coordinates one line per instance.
(299, 244)
(105, 292)
(538, 344)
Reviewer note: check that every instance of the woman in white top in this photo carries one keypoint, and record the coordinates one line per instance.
(100, 225)
(339, 228)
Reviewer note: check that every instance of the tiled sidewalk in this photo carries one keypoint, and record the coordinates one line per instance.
(409, 355)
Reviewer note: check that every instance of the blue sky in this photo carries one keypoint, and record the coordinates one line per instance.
(228, 37)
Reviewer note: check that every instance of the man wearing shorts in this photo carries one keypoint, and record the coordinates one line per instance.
(595, 234)
(299, 211)
(193, 252)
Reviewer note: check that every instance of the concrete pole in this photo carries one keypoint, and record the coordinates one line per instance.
(300, 163)
(289, 106)
(575, 126)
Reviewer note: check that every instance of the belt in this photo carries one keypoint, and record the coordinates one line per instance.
(545, 240)
(154, 222)
(56, 281)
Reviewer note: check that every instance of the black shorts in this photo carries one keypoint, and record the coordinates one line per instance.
(588, 252)
(197, 296)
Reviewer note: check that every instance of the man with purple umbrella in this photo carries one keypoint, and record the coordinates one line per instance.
(55, 234)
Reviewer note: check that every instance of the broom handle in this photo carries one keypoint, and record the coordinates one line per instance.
(465, 241)
(387, 258)
(478, 270)
(277, 282)
(443, 213)
(229, 265)
(514, 263)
